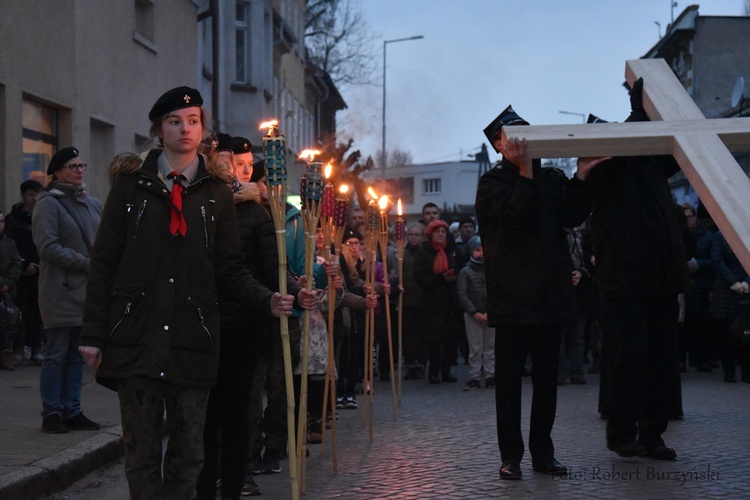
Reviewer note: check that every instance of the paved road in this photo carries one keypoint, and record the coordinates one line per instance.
(441, 445)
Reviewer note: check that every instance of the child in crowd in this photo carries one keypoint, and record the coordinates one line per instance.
(317, 360)
(472, 297)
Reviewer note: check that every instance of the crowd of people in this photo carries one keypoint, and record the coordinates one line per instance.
(171, 290)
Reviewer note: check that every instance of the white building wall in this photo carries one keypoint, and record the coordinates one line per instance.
(458, 184)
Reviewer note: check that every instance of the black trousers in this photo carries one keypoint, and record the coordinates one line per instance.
(642, 334)
(350, 357)
(512, 345)
(225, 435)
(415, 351)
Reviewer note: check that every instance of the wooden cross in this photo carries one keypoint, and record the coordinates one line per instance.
(701, 146)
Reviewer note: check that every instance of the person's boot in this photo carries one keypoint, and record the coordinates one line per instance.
(6, 360)
(447, 376)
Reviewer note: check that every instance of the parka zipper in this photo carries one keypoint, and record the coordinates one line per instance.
(205, 224)
(125, 313)
(138, 217)
(203, 325)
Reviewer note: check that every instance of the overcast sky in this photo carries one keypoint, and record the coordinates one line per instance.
(478, 56)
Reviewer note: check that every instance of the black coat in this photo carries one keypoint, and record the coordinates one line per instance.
(258, 240)
(635, 235)
(527, 262)
(18, 227)
(151, 302)
(439, 296)
(728, 272)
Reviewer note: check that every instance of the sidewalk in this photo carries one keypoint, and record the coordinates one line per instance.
(443, 444)
(34, 464)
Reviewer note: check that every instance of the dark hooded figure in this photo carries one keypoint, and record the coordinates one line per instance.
(640, 269)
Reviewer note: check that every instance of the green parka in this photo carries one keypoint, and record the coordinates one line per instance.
(151, 303)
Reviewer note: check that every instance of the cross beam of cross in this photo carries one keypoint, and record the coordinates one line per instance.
(701, 146)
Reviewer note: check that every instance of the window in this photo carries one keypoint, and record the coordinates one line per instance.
(431, 186)
(144, 18)
(40, 135)
(101, 143)
(242, 42)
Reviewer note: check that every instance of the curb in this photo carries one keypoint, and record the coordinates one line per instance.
(55, 473)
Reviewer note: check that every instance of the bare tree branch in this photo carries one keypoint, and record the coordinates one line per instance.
(339, 41)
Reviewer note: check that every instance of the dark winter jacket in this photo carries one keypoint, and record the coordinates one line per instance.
(413, 295)
(258, 242)
(439, 295)
(18, 227)
(728, 272)
(697, 298)
(472, 289)
(151, 304)
(10, 264)
(635, 234)
(527, 262)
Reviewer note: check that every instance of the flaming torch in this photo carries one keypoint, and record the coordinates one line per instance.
(329, 231)
(274, 149)
(311, 205)
(399, 233)
(383, 204)
(371, 246)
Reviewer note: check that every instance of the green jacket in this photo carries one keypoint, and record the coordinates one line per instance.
(151, 303)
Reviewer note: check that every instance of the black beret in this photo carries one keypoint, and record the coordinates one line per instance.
(240, 146)
(349, 234)
(466, 220)
(224, 142)
(177, 98)
(507, 117)
(259, 171)
(60, 158)
(595, 119)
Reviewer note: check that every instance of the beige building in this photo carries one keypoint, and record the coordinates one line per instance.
(85, 73)
(709, 54)
(253, 65)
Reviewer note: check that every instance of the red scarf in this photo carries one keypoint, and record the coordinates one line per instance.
(440, 265)
(177, 222)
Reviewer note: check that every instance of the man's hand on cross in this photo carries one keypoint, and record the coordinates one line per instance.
(516, 150)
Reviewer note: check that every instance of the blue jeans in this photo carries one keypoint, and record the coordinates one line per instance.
(62, 373)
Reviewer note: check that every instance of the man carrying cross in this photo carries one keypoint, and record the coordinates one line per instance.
(701, 147)
(640, 268)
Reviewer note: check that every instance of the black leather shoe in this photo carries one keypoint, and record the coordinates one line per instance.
(549, 465)
(661, 453)
(510, 469)
(448, 377)
(628, 449)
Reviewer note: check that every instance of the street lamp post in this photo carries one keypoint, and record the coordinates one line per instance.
(582, 115)
(384, 158)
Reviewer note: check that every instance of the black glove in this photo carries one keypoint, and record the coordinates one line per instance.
(637, 114)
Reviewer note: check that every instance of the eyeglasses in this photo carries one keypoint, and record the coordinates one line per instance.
(81, 167)
(352, 243)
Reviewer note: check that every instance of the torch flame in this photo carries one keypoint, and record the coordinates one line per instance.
(327, 171)
(270, 125)
(398, 207)
(308, 154)
(343, 189)
(383, 202)
(372, 193)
